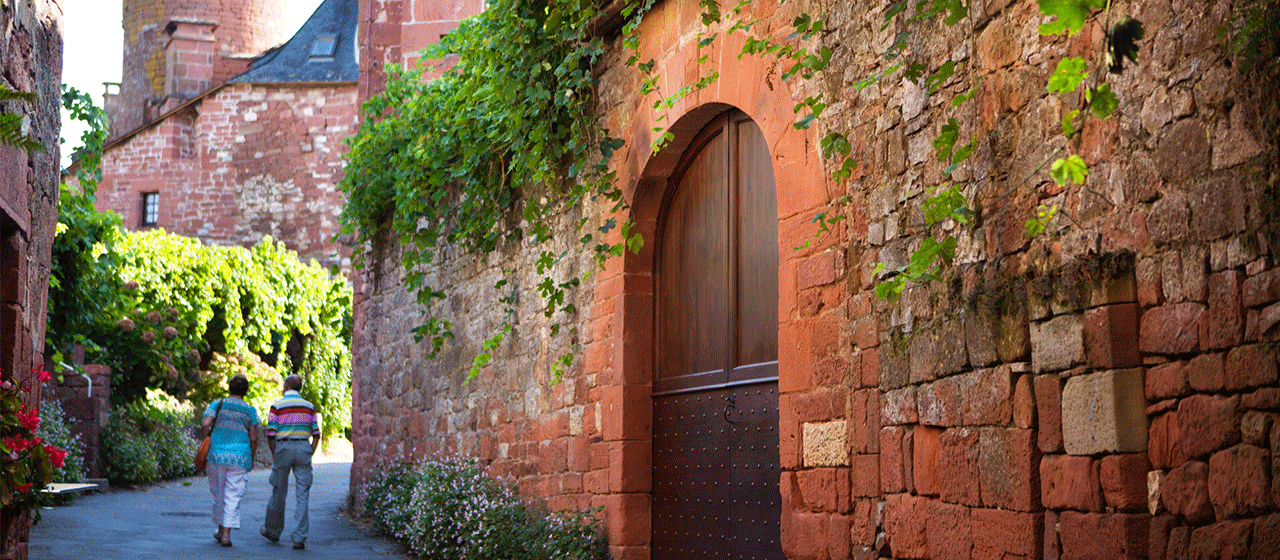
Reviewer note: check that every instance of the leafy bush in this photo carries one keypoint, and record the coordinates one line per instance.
(128, 456)
(451, 509)
(149, 439)
(55, 430)
(264, 381)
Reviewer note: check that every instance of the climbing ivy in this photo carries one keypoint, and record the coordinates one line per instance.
(488, 154)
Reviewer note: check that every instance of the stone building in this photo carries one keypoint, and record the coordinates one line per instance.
(30, 61)
(1108, 389)
(219, 133)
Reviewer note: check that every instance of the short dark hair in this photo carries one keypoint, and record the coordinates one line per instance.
(239, 385)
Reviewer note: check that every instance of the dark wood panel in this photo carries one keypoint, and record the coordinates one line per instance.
(693, 272)
(757, 248)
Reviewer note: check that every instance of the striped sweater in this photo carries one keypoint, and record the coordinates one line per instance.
(292, 417)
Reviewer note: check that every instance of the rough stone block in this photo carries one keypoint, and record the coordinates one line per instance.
(939, 403)
(1104, 413)
(1227, 539)
(817, 489)
(824, 444)
(1024, 402)
(898, 407)
(1266, 537)
(1111, 336)
(1070, 482)
(1171, 329)
(1207, 423)
(1185, 492)
(864, 476)
(1048, 389)
(948, 531)
(988, 400)
(1090, 536)
(1009, 467)
(1261, 289)
(1255, 428)
(959, 455)
(1250, 366)
(926, 460)
(1240, 481)
(892, 462)
(905, 518)
(1223, 324)
(1124, 481)
(999, 534)
(864, 419)
(1163, 443)
(1167, 380)
(1058, 343)
(1205, 372)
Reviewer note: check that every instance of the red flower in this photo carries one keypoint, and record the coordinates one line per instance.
(29, 418)
(22, 487)
(19, 444)
(44, 375)
(57, 457)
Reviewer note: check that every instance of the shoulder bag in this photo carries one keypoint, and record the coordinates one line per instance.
(202, 453)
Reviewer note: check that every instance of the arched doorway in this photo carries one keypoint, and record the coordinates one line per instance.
(715, 399)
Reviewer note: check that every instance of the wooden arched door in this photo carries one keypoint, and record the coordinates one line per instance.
(715, 441)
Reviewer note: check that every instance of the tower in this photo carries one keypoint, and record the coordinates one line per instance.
(176, 49)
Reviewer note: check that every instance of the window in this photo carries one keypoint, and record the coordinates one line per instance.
(324, 47)
(150, 209)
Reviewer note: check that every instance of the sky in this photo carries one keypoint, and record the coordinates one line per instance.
(93, 48)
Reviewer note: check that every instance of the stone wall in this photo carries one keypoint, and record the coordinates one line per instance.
(246, 162)
(30, 61)
(1105, 390)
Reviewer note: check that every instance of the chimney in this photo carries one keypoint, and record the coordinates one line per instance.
(189, 54)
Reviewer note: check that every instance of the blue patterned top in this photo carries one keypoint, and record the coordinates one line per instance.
(229, 442)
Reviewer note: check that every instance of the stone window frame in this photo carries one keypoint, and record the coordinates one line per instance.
(150, 209)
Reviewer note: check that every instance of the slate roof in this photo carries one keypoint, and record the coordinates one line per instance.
(323, 50)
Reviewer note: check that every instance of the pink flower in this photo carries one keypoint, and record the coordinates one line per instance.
(148, 336)
(170, 333)
(172, 312)
(153, 316)
(126, 324)
(131, 285)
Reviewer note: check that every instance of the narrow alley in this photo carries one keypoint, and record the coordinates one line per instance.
(172, 520)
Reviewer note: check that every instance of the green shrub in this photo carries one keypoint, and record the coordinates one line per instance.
(55, 430)
(264, 381)
(150, 439)
(128, 457)
(451, 509)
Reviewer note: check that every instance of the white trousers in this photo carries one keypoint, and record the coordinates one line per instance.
(227, 484)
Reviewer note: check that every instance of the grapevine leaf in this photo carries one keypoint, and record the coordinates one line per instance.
(1068, 123)
(1069, 170)
(1070, 14)
(1071, 71)
(946, 139)
(1102, 102)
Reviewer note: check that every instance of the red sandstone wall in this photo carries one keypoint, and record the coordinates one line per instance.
(244, 28)
(393, 31)
(247, 162)
(1025, 408)
(30, 61)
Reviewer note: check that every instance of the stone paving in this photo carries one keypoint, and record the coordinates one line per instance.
(172, 520)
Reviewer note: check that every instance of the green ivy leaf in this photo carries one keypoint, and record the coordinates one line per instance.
(1102, 102)
(1068, 122)
(1070, 14)
(946, 139)
(1069, 74)
(1069, 170)
(944, 73)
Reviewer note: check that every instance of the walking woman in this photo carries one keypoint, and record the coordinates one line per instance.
(232, 444)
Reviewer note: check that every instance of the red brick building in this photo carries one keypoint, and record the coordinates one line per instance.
(30, 61)
(219, 133)
(1106, 390)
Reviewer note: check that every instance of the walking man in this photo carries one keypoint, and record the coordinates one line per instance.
(293, 434)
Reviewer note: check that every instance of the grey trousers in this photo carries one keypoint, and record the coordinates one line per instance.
(291, 455)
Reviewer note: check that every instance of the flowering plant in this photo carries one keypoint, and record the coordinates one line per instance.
(26, 463)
